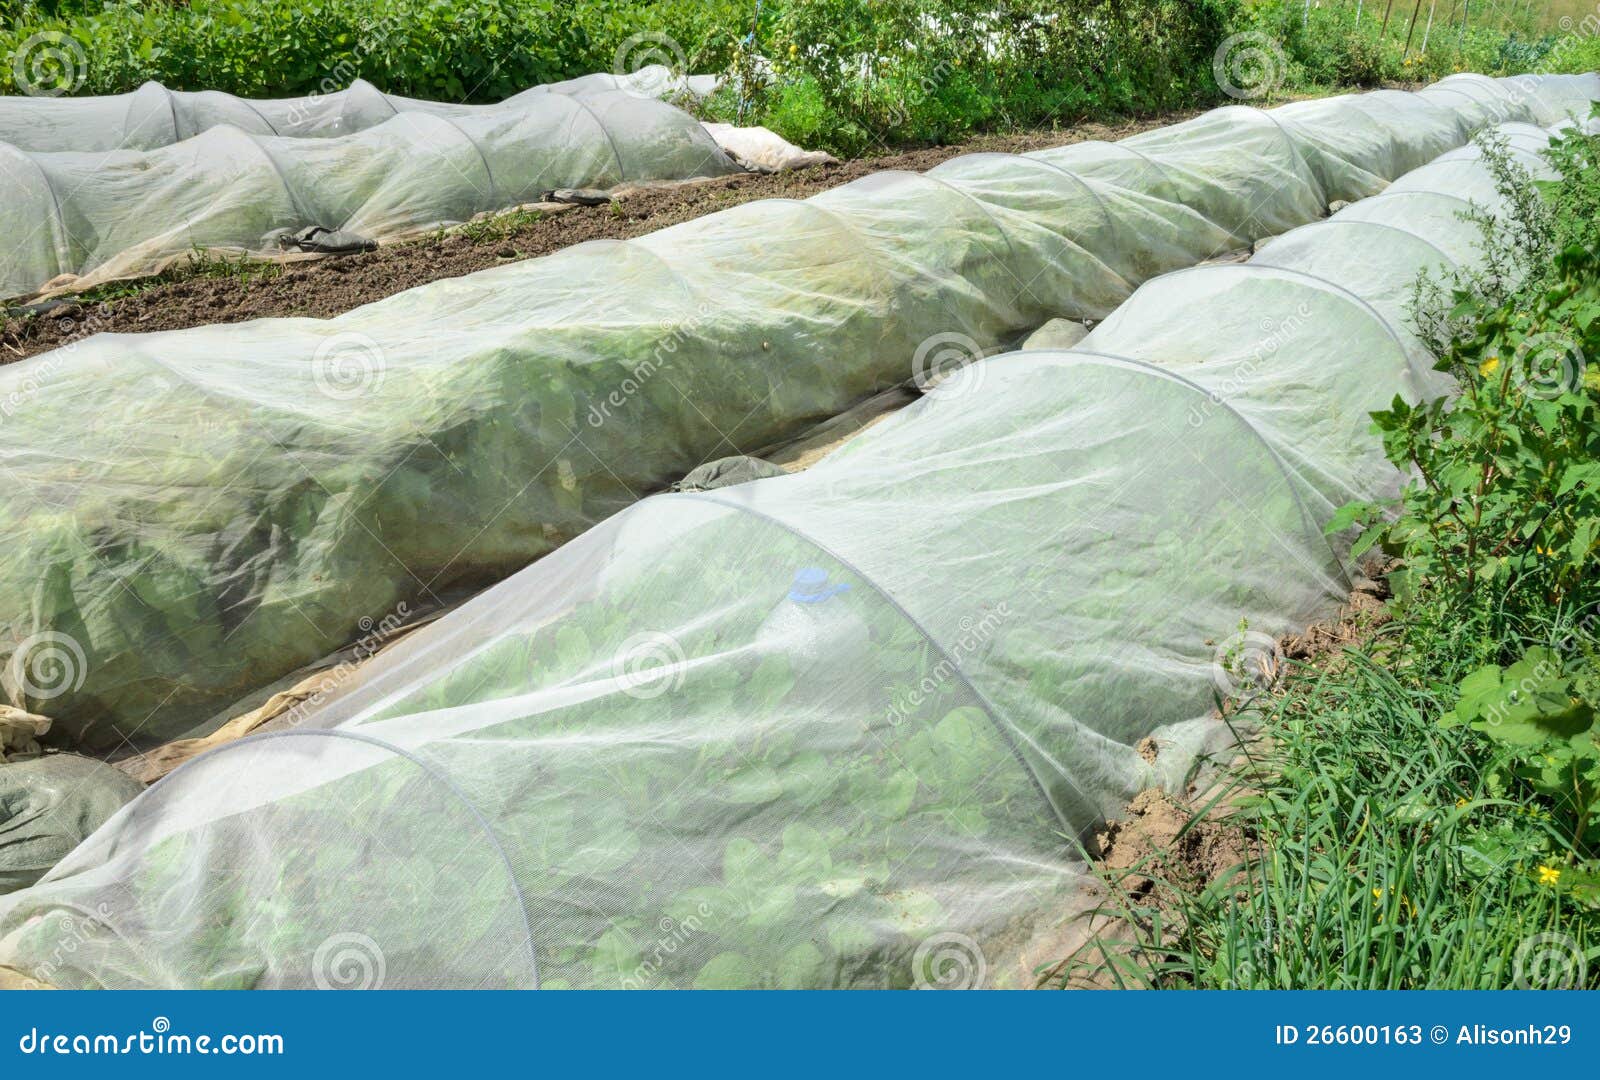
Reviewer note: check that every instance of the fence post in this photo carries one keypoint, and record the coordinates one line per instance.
(1411, 31)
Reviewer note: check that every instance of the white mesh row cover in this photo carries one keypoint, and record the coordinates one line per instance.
(105, 215)
(820, 730)
(200, 512)
(153, 116)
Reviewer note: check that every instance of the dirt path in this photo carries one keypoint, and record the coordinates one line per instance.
(326, 287)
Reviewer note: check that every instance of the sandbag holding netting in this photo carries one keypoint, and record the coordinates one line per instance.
(103, 215)
(248, 495)
(153, 116)
(47, 806)
(828, 729)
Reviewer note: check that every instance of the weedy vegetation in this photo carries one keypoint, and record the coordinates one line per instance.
(1423, 810)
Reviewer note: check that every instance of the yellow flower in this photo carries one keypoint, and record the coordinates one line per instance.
(793, 49)
(1460, 803)
(1549, 875)
(1377, 894)
(1488, 367)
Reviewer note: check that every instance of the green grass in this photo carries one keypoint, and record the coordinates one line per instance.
(200, 265)
(495, 227)
(1380, 857)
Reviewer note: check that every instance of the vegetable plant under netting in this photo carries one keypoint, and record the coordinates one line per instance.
(812, 730)
(246, 495)
(104, 215)
(153, 116)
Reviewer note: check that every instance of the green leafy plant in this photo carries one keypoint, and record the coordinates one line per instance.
(1506, 488)
(1542, 714)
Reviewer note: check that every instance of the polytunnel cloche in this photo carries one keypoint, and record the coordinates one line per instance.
(802, 731)
(432, 443)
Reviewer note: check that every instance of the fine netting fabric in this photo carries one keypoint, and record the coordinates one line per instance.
(107, 214)
(816, 730)
(246, 496)
(153, 116)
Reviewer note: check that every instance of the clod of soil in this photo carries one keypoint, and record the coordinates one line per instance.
(1150, 843)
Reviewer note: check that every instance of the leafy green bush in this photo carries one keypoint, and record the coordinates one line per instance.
(1499, 528)
(1506, 504)
(1325, 45)
(1539, 714)
(869, 72)
(1505, 507)
(457, 50)
(846, 74)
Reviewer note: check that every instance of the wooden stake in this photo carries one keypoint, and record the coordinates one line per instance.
(1413, 29)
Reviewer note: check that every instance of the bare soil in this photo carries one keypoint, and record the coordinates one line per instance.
(325, 287)
(1166, 843)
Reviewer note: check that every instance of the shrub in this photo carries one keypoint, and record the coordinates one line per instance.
(845, 74)
(1504, 510)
